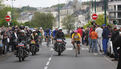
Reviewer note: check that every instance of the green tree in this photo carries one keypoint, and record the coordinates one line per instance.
(44, 20)
(68, 23)
(100, 19)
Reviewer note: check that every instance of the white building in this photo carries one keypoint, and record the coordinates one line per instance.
(114, 11)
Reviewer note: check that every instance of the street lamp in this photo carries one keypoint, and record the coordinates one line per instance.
(58, 14)
(92, 5)
(95, 6)
(105, 8)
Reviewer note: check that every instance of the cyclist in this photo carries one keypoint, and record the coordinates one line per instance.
(76, 38)
(40, 34)
(54, 34)
(47, 35)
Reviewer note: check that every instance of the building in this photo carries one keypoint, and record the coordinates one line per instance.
(114, 9)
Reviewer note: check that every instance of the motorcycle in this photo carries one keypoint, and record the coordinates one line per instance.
(21, 51)
(33, 47)
(59, 46)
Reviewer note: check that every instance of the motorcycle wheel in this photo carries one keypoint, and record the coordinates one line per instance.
(20, 59)
(59, 53)
(23, 59)
(33, 53)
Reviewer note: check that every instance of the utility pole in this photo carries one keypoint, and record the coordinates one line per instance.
(95, 6)
(92, 5)
(105, 8)
(58, 14)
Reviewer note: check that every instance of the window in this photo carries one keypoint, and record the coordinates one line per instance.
(119, 7)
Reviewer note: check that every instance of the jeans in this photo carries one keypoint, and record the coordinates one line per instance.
(100, 43)
(90, 41)
(94, 45)
(105, 46)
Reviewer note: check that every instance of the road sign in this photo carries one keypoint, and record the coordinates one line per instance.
(7, 18)
(94, 16)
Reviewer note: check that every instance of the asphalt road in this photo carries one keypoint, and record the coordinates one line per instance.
(46, 58)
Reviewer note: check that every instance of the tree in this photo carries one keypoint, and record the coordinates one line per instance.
(44, 20)
(100, 19)
(68, 23)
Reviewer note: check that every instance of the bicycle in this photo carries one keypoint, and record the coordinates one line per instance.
(48, 40)
(76, 47)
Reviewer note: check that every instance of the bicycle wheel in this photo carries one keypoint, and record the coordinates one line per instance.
(76, 51)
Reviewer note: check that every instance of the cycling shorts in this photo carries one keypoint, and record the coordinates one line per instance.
(77, 42)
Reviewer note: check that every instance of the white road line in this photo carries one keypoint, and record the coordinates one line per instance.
(69, 49)
(46, 67)
(51, 49)
(49, 60)
(84, 48)
(47, 63)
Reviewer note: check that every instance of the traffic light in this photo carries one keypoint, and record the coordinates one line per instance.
(114, 22)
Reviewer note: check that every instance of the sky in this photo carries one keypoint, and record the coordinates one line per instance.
(35, 3)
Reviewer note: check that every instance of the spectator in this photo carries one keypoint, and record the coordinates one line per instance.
(119, 45)
(115, 34)
(105, 38)
(94, 37)
(99, 31)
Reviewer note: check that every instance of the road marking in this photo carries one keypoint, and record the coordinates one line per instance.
(51, 49)
(49, 60)
(84, 48)
(46, 67)
(69, 49)
(47, 63)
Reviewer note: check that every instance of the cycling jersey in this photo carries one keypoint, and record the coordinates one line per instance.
(76, 37)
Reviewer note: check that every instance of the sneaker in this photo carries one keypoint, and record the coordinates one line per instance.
(95, 54)
(78, 52)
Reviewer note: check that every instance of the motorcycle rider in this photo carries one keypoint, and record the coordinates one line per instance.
(59, 35)
(22, 38)
(34, 36)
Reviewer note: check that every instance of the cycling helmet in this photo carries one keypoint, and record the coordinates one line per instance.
(76, 31)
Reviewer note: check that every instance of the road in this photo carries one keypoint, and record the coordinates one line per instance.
(46, 58)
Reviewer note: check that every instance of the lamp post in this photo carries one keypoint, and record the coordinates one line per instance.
(58, 14)
(92, 5)
(95, 6)
(105, 8)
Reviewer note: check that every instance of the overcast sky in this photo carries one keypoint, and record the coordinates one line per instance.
(35, 3)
